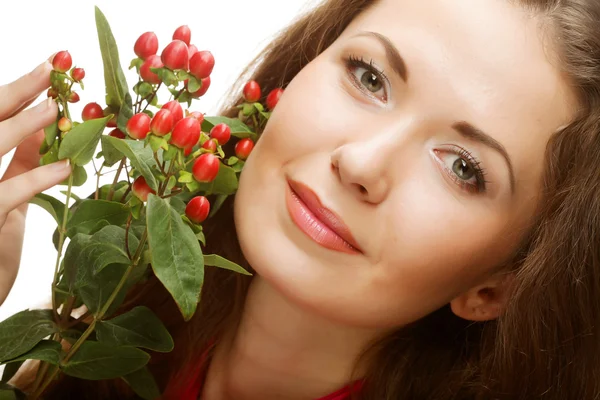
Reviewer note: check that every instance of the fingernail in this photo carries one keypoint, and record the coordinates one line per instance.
(44, 105)
(61, 165)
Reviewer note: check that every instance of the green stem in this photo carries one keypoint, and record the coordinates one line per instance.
(61, 241)
(152, 97)
(111, 193)
(90, 329)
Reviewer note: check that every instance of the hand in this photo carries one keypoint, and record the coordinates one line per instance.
(23, 178)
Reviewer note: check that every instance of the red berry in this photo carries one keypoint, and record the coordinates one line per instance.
(52, 93)
(188, 150)
(183, 33)
(252, 91)
(198, 115)
(206, 167)
(138, 126)
(78, 74)
(273, 98)
(146, 45)
(205, 85)
(243, 148)
(192, 49)
(210, 145)
(117, 133)
(221, 132)
(202, 64)
(186, 133)
(197, 209)
(162, 122)
(73, 97)
(147, 75)
(92, 111)
(62, 61)
(175, 55)
(64, 124)
(141, 189)
(175, 109)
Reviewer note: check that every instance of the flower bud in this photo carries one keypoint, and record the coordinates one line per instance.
(146, 45)
(183, 33)
(175, 55)
(186, 133)
(202, 64)
(62, 61)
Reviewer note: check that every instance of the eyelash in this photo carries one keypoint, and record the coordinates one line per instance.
(474, 163)
(353, 61)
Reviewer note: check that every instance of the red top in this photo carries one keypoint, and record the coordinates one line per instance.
(191, 388)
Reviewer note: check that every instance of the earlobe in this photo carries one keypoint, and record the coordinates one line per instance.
(486, 301)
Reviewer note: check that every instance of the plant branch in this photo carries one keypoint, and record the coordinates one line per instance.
(111, 193)
(61, 241)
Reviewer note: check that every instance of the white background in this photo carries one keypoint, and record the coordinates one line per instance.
(30, 31)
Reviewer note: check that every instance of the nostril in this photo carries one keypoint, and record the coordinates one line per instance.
(362, 189)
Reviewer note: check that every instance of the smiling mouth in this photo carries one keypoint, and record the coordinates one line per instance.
(320, 224)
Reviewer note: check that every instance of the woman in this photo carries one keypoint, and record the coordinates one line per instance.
(421, 213)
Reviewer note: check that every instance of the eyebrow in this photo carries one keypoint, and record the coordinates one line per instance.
(391, 52)
(470, 132)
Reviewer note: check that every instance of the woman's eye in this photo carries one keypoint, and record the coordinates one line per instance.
(367, 78)
(462, 169)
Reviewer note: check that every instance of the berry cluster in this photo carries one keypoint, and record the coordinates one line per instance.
(185, 71)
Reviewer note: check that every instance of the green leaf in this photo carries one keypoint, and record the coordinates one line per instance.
(185, 177)
(172, 182)
(177, 204)
(114, 78)
(8, 392)
(51, 131)
(141, 158)
(22, 331)
(238, 128)
(46, 350)
(125, 113)
(232, 160)
(97, 361)
(54, 206)
(143, 384)
(143, 88)
(79, 176)
(157, 142)
(80, 143)
(139, 327)
(51, 155)
(106, 247)
(10, 370)
(90, 212)
(226, 182)
(259, 107)
(214, 260)
(176, 254)
(95, 289)
(194, 84)
(109, 152)
(217, 204)
(166, 76)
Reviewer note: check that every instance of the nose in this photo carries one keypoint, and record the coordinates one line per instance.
(363, 168)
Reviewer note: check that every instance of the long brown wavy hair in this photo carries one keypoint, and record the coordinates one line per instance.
(546, 343)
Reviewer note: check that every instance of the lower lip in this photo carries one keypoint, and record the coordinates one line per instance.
(313, 227)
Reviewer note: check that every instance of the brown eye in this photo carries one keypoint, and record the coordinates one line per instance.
(371, 82)
(462, 169)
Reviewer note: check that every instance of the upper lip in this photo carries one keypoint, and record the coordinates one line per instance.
(325, 215)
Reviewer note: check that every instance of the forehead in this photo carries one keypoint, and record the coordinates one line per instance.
(485, 61)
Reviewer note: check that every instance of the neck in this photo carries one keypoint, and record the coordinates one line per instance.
(279, 350)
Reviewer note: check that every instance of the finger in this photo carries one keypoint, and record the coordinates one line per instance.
(26, 123)
(21, 188)
(26, 157)
(16, 94)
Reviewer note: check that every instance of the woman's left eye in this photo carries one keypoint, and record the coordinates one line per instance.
(367, 78)
(463, 169)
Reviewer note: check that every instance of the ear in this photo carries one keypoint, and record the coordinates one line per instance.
(486, 301)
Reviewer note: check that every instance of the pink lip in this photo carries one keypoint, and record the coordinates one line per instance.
(319, 223)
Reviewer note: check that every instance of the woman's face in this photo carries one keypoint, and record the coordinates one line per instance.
(422, 130)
